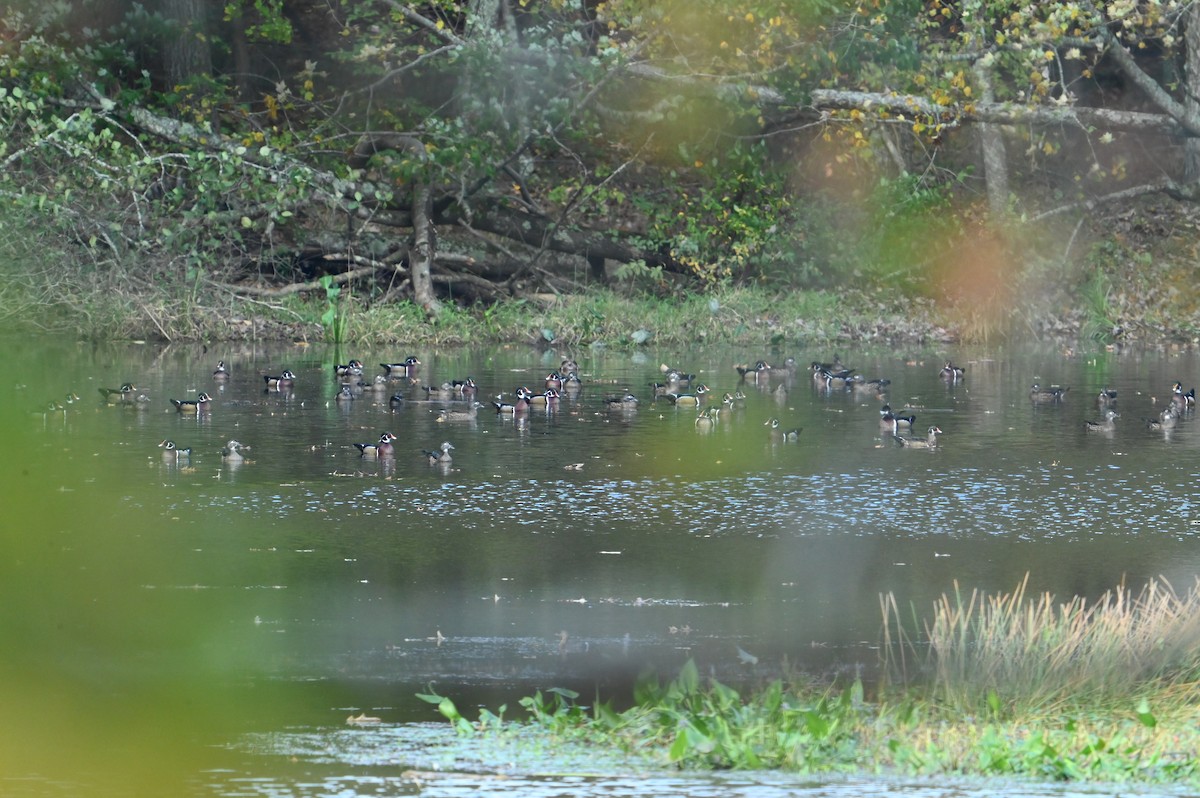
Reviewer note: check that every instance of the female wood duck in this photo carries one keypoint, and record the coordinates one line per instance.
(189, 407)
(396, 401)
(444, 391)
(571, 382)
(894, 422)
(126, 393)
(568, 365)
(381, 449)
(518, 406)
(232, 453)
(399, 371)
(377, 385)
(349, 370)
(441, 456)
(1051, 395)
(220, 373)
(344, 396)
(1106, 398)
(689, 399)
(871, 388)
(470, 414)
(1166, 419)
(676, 377)
(952, 373)
(173, 453)
(1106, 425)
(1181, 400)
(930, 441)
(627, 402)
(281, 383)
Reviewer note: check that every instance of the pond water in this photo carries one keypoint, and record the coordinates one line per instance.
(161, 616)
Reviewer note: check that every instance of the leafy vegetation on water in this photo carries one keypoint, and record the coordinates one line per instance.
(1003, 685)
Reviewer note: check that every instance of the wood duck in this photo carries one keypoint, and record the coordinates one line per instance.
(344, 396)
(517, 407)
(349, 370)
(405, 370)
(1106, 425)
(126, 393)
(395, 401)
(554, 381)
(689, 399)
(465, 388)
(1166, 419)
(571, 382)
(471, 414)
(190, 407)
(930, 441)
(284, 381)
(778, 433)
(568, 365)
(707, 418)
(676, 377)
(952, 373)
(173, 453)
(871, 387)
(220, 373)
(441, 455)
(894, 422)
(1106, 398)
(232, 452)
(1181, 400)
(547, 399)
(760, 370)
(626, 402)
(1051, 395)
(446, 390)
(837, 380)
(381, 449)
(378, 385)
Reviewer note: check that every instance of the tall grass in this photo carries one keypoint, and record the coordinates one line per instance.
(1038, 652)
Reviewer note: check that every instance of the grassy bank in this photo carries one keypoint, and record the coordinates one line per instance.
(1005, 685)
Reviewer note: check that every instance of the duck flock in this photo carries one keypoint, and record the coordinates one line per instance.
(401, 383)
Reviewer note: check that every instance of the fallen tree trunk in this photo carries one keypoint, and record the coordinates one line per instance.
(908, 106)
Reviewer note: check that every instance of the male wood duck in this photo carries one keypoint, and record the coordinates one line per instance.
(894, 422)
(349, 370)
(1051, 395)
(707, 418)
(220, 373)
(1106, 398)
(779, 434)
(626, 402)
(547, 399)
(1181, 400)
(1107, 425)
(760, 370)
(554, 381)
(399, 371)
(676, 377)
(284, 381)
(837, 381)
(173, 453)
(470, 414)
(126, 393)
(232, 452)
(689, 399)
(189, 407)
(381, 449)
(517, 407)
(465, 388)
(952, 373)
(441, 456)
(396, 401)
(930, 441)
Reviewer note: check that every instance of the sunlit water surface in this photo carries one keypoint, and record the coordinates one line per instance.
(204, 628)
